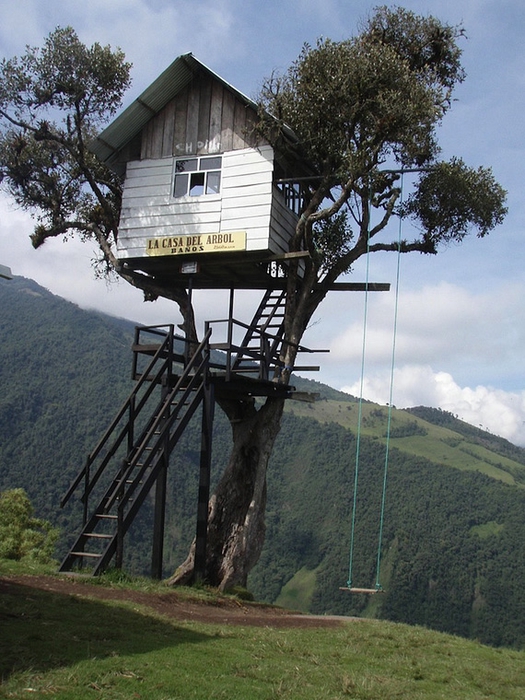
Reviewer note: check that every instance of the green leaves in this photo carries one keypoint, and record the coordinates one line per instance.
(22, 535)
(365, 109)
(359, 101)
(451, 199)
(52, 102)
(65, 75)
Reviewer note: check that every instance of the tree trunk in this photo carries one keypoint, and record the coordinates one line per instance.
(236, 527)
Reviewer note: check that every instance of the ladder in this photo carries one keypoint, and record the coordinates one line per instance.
(264, 336)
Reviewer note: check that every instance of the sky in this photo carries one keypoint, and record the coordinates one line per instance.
(456, 340)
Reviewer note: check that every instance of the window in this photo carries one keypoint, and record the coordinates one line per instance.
(197, 176)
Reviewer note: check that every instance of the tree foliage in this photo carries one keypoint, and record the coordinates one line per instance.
(364, 110)
(21, 534)
(53, 101)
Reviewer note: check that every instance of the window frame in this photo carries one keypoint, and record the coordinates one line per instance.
(203, 177)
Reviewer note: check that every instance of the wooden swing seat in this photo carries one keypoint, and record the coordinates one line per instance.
(361, 590)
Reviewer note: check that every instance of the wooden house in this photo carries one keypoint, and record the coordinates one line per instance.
(204, 197)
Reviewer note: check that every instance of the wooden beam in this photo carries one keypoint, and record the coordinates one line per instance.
(360, 287)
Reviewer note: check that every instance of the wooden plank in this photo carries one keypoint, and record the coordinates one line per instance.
(263, 155)
(203, 132)
(246, 211)
(181, 119)
(251, 137)
(148, 180)
(143, 168)
(177, 225)
(156, 133)
(169, 129)
(145, 150)
(252, 190)
(239, 126)
(249, 171)
(146, 199)
(192, 120)
(228, 109)
(245, 198)
(215, 118)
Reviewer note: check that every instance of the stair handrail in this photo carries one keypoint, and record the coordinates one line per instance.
(258, 355)
(166, 344)
(198, 361)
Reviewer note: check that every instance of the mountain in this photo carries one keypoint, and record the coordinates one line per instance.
(453, 533)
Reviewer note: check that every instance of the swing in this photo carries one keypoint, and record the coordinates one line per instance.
(377, 588)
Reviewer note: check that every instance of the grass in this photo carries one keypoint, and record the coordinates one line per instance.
(68, 648)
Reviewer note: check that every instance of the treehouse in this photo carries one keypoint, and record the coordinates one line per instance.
(206, 204)
(204, 197)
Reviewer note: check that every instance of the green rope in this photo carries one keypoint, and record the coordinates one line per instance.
(390, 402)
(378, 586)
(359, 417)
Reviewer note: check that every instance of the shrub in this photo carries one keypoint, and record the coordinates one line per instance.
(21, 534)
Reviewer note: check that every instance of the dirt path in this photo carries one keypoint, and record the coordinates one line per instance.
(229, 611)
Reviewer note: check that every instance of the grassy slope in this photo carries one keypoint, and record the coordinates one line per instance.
(70, 648)
(435, 443)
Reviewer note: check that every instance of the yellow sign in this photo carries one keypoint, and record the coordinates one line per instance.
(193, 245)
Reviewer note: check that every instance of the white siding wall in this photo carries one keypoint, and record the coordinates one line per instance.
(245, 204)
(247, 194)
(149, 210)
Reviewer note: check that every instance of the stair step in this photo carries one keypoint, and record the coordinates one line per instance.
(92, 555)
(106, 516)
(98, 535)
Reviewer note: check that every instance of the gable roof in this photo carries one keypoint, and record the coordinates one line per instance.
(154, 98)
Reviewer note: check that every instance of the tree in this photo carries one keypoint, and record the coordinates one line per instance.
(362, 110)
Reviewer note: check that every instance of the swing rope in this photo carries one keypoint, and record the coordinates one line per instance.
(359, 414)
(390, 398)
(378, 587)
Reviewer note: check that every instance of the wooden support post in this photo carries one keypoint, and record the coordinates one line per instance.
(208, 408)
(119, 551)
(159, 517)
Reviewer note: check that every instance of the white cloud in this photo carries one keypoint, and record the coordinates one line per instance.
(442, 325)
(500, 412)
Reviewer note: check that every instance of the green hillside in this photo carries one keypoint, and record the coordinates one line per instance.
(414, 435)
(453, 553)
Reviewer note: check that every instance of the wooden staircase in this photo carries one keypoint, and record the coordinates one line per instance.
(129, 459)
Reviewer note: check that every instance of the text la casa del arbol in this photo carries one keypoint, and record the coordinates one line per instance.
(178, 245)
